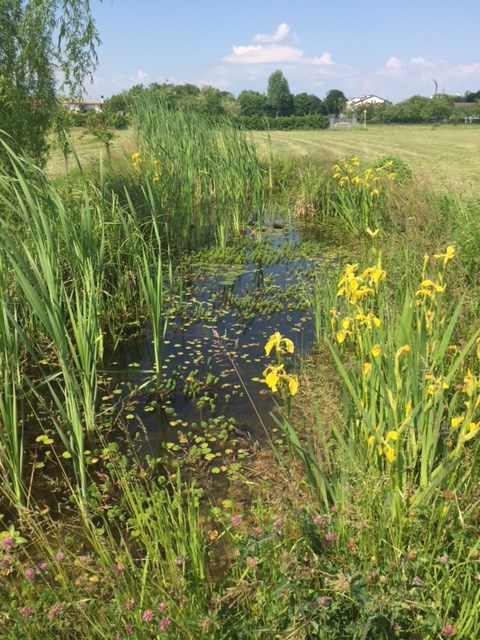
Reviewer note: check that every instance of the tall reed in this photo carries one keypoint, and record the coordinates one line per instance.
(203, 173)
(11, 392)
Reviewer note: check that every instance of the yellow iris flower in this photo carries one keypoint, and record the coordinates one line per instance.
(448, 255)
(275, 376)
(280, 343)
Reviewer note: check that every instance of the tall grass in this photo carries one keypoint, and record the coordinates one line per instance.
(11, 393)
(204, 175)
(71, 262)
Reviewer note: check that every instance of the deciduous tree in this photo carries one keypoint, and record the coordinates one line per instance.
(41, 41)
(278, 94)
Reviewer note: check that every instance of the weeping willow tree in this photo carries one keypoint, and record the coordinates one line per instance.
(44, 45)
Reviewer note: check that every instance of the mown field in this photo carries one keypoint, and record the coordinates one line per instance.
(445, 156)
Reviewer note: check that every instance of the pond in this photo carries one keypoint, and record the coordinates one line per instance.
(214, 405)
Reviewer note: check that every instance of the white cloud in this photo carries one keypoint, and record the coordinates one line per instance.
(280, 34)
(268, 50)
(141, 75)
(418, 61)
(463, 70)
(324, 59)
(259, 54)
(393, 63)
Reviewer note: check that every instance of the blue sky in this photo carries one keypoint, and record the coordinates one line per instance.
(391, 48)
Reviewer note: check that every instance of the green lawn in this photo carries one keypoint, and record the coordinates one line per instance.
(88, 149)
(447, 156)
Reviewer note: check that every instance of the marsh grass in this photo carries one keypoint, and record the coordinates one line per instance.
(202, 174)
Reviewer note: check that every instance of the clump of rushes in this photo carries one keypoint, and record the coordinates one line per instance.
(275, 375)
(400, 471)
(410, 381)
(201, 175)
(358, 195)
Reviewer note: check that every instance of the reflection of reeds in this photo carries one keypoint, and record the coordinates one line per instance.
(204, 175)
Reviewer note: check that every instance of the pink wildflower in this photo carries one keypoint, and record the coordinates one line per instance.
(448, 630)
(164, 624)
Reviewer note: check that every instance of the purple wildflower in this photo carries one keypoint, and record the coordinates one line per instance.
(330, 536)
(252, 562)
(162, 606)
(54, 611)
(27, 611)
(30, 573)
(443, 559)
(59, 556)
(129, 629)
(237, 520)
(417, 581)
(8, 542)
(42, 566)
(129, 604)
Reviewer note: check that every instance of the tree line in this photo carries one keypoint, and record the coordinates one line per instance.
(278, 107)
(277, 102)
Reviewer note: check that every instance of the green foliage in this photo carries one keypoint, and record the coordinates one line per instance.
(99, 127)
(403, 173)
(36, 38)
(334, 101)
(279, 96)
(202, 174)
(306, 104)
(253, 104)
(287, 123)
(419, 109)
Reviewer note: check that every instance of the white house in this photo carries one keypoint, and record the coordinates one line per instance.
(364, 101)
(82, 106)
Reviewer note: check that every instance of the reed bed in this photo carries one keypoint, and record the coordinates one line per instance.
(203, 176)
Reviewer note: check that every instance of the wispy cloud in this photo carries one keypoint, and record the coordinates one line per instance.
(259, 54)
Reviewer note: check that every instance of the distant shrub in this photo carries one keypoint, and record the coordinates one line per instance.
(285, 123)
(402, 171)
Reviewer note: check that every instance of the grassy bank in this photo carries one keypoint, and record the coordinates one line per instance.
(361, 519)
